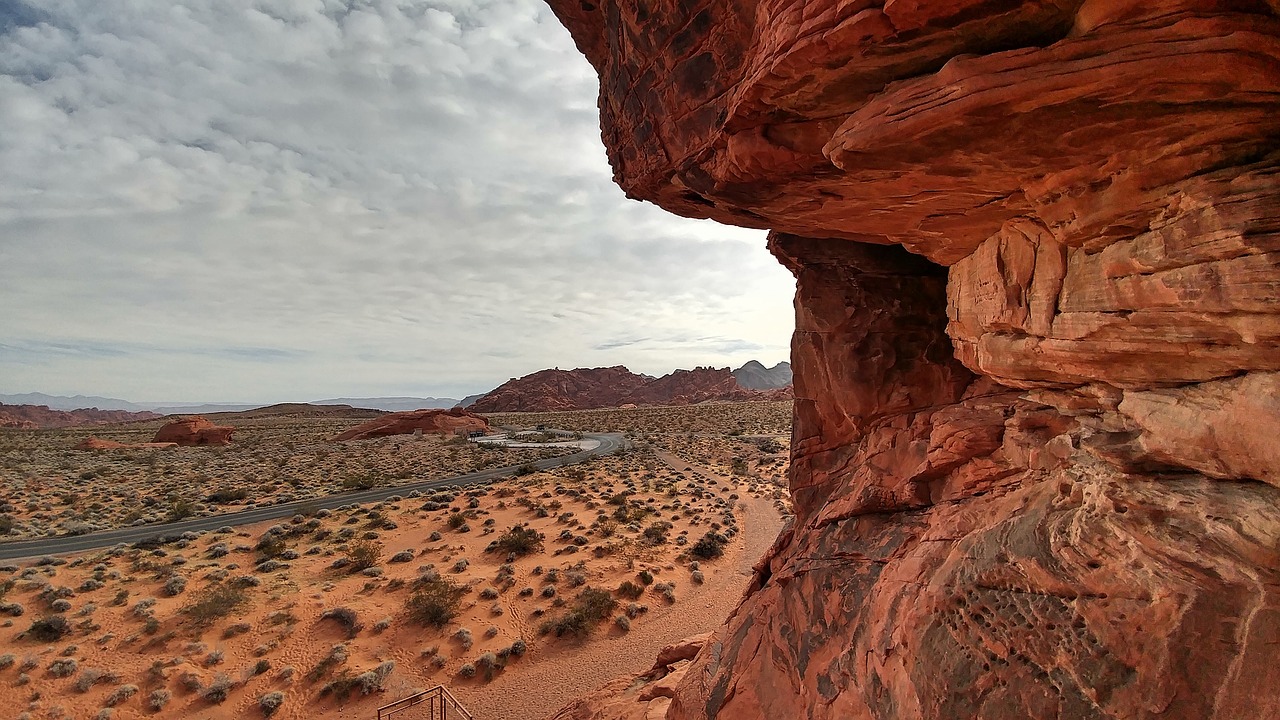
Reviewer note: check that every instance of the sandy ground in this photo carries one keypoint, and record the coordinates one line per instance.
(544, 688)
(133, 650)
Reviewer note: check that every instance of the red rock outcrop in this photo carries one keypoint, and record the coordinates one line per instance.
(96, 443)
(1037, 348)
(442, 422)
(591, 388)
(194, 430)
(32, 417)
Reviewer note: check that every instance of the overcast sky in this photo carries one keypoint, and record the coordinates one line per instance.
(268, 200)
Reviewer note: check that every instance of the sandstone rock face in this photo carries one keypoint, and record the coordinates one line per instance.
(590, 388)
(194, 430)
(95, 443)
(1037, 342)
(33, 417)
(442, 422)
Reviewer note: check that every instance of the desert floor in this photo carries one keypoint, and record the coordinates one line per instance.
(329, 614)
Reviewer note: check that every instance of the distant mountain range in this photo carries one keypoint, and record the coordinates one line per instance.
(84, 402)
(755, 376)
(555, 389)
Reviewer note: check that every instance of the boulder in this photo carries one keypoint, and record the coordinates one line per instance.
(193, 430)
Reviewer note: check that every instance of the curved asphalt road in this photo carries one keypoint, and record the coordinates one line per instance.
(108, 538)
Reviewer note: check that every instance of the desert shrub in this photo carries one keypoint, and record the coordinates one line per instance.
(463, 636)
(364, 554)
(710, 546)
(519, 540)
(519, 647)
(667, 590)
(270, 702)
(218, 690)
(158, 699)
(65, 667)
(90, 677)
(261, 666)
(226, 495)
(697, 577)
(120, 694)
(337, 656)
(467, 670)
(434, 601)
(7, 660)
(488, 664)
(180, 510)
(270, 546)
(630, 590)
(623, 623)
(656, 533)
(174, 585)
(590, 607)
(214, 602)
(346, 618)
(49, 629)
(382, 625)
(457, 520)
(6, 524)
(526, 469)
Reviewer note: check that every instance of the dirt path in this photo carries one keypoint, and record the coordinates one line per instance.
(552, 677)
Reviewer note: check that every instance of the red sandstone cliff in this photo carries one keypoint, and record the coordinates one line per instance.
(1037, 251)
(590, 388)
(443, 422)
(32, 417)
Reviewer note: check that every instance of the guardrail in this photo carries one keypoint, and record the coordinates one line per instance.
(441, 705)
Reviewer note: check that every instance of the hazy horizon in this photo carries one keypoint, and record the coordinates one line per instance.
(286, 199)
(184, 401)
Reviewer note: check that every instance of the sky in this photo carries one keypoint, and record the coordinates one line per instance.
(269, 200)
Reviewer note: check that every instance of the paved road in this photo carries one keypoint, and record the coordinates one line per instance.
(108, 538)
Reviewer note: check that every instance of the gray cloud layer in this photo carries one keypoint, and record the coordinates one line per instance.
(273, 199)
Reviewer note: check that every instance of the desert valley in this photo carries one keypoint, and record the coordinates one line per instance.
(519, 592)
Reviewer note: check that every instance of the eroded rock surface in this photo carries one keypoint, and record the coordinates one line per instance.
(1037, 342)
(194, 430)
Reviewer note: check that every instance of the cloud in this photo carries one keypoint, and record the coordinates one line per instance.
(374, 196)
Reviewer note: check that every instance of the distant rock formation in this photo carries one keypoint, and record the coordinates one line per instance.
(557, 389)
(441, 422)
(32, 417)
(95, 443)
(591, 388)
(755, 376)
(196, 430)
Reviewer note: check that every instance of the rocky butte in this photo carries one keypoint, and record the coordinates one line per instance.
(1036, 351)
(442, 422)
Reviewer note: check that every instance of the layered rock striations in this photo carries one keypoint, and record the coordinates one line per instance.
(1037, 347)
(436, 422)
(591, 388)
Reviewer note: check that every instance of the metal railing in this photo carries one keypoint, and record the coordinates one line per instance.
(440, 705)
